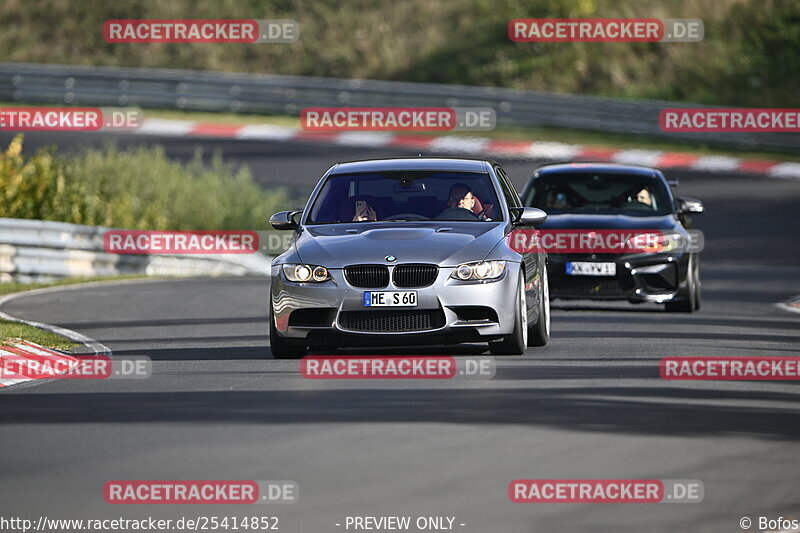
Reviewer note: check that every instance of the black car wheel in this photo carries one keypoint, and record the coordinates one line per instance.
(539, 332)
(279, 347)
(515, 343)
(697, 284)
(686, 299)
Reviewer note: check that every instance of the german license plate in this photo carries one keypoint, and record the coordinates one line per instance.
(589, 268)
(390, 299)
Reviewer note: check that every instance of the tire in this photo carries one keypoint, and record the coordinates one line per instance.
(279, 347)
(697, 285)
(687, 295)
(539, 332)
(515, 343)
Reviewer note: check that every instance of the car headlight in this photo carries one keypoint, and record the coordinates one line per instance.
(657, 243)
(481, 270)
(306, 273)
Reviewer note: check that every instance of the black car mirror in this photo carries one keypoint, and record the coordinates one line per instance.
(284, 220)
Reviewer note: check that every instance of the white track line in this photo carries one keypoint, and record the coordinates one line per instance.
(24, 359)
(156, 126)
(97, 347)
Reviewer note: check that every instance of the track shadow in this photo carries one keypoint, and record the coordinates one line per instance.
(99, 324)
(742, 321)
(220, 353)
(683, 335)
(620, 307)
(262, 351)
(666, 411)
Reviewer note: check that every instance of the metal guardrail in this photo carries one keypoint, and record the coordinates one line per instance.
(36, 250)
(251, 93)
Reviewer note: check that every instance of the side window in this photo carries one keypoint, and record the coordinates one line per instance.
(512, 198)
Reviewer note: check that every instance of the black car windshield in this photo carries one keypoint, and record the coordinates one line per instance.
(592, 192)
(406, 196)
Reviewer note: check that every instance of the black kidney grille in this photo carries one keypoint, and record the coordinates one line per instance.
(414, 275)
(367, 276)
(392, 321)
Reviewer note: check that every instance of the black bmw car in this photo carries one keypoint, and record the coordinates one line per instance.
(592, 198)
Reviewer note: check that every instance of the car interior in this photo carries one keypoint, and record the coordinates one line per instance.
(600, 193)
(420, 198)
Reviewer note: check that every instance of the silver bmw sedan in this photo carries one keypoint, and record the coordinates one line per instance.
(408, 251)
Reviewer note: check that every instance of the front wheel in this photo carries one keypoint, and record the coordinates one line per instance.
(687, 299)
(697, 285)
(279, 347)
(515, 343)
(539, 332)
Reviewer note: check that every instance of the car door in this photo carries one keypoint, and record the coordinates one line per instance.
(533, 262)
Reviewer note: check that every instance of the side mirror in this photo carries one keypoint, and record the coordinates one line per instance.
(690, 206)
(284, 220)
(530, 216)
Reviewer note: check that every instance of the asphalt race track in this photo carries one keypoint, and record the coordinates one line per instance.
(590, 405)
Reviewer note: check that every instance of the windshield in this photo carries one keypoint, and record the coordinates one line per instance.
(600, 192)
(406, 196)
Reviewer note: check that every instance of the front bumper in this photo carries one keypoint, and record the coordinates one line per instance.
(448, 311)
(639, 278)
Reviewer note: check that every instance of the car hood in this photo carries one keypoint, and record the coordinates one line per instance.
(620, 222)
(445, 244)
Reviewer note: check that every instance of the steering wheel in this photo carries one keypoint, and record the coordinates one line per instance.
(457, 213)
(407, 216)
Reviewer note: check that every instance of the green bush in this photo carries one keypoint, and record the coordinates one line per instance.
(134, 189)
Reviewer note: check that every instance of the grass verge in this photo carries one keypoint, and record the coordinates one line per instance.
(10, 331)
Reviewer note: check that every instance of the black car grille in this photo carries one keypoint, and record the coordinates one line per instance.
(367, 276)
(414, 275)
(392, 321)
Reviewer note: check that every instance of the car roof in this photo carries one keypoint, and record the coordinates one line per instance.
(598, 167)
(412, 163)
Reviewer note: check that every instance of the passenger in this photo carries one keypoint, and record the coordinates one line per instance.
(364, 212)
(556, 200)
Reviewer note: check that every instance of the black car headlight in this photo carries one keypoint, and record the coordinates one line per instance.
(306, 273)
(657, 243)
(479, 271)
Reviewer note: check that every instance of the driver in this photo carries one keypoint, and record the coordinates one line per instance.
(644, 197)
(462, 197)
